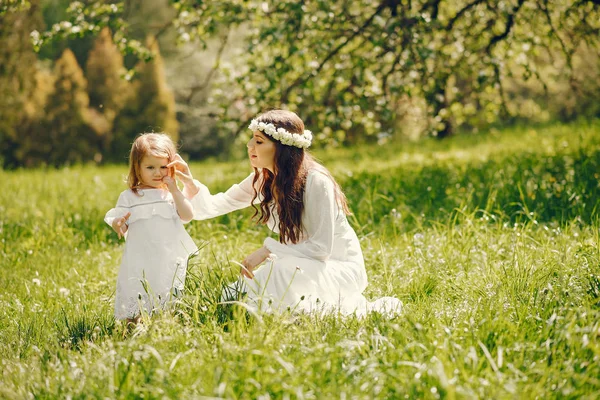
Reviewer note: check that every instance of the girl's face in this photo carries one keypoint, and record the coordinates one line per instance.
(152, 171)
(261, 151)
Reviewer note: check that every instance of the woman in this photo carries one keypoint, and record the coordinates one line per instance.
(317, 264)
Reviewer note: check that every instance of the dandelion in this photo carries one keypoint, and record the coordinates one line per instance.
(418, 238)
(36, 281)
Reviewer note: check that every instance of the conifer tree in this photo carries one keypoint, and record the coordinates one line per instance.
(157, 100)
(17, 76)
(69, 136)
(30, 150)
(107, 89)
(151, 108)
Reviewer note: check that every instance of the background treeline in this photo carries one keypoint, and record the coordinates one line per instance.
(61, 112)
(356, 71)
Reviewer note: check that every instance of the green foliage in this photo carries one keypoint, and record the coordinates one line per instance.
(49, 119)
(157, 103)
(151, 108)
(69, 138)
(356, 71)
(17, 74)
(519, 188)
(108, 90)
(351, 67)
(88, 19)
(12, 6)
(499, 303)
(104, 72)
(26, 149)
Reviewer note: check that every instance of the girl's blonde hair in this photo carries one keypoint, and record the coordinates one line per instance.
(154, 144)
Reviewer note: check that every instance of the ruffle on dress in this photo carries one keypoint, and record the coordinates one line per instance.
(162, 209)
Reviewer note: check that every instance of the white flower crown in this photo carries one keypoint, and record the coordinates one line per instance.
(290, 139)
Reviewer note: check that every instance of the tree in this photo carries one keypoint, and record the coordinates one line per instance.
(157, 103)
(14, 6)
(349, 67)
(29, 149)
(350, 63)
(68, 135)
(151, 108)
(17, 73)
(107, 89)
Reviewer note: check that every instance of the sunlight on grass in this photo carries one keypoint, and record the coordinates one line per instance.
(492, 243)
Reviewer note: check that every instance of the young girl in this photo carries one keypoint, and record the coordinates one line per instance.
(150, 215)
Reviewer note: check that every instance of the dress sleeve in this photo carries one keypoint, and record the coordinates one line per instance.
(120, 209)
(208, 205)
(318, 221)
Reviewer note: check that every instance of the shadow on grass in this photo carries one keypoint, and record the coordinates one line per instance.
(523, 187)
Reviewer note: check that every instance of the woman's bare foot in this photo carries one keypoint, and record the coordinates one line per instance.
(134, 321)
(131, 324)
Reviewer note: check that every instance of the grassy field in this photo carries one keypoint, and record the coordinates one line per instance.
(491, 242)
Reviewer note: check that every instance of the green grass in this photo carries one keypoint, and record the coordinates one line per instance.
(492, 242)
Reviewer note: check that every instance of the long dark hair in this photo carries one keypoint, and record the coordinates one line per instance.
(283, 189)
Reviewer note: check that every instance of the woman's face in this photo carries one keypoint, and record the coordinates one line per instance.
(261, 151)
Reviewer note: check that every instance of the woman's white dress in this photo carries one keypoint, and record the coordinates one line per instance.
(157, 248)
(324, 271)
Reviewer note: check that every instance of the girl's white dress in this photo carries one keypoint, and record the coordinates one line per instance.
(324, 271)
(157, 248)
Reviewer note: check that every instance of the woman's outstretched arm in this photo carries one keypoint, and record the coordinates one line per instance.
(205, 204)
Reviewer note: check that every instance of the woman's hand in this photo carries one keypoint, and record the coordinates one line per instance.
(254, 260)
(183, 173)
(120, 226)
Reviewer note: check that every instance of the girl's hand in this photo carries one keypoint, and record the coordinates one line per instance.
(120, 226)
(171, 184)
(182, 171)
(254, 260)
